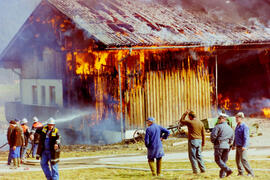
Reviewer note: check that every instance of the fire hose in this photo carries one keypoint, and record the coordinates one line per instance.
(3, 145)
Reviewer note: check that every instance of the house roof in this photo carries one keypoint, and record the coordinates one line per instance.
(138, 22)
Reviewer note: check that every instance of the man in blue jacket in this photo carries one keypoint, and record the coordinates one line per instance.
(241, 143)
(153, 137)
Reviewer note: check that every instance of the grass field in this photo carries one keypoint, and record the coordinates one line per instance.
(115, 174)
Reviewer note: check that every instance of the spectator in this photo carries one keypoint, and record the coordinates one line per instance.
(153, 141)
(222, 138)
(196, 140)
(241, 143)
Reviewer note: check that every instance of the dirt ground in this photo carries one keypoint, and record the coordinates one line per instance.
(87, 156)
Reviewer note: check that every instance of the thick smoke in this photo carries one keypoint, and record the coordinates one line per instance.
(238, 11)
(254, 106)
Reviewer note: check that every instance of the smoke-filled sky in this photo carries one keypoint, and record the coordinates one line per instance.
(13, 13)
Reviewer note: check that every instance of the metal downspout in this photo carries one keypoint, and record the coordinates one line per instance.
(120, 92)
(216, 82)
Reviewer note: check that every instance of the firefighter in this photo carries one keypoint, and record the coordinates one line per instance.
(35, 136)
(49, 149)
(26, 134)
(153, 137)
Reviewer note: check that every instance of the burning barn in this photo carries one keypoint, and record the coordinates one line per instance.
(122, 61)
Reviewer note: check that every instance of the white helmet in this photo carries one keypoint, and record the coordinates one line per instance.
(51, 121)
(24, 121)
(35, 119)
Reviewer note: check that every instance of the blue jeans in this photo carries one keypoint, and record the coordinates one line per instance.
(221, 157)
(49, 173)
(15, 153)
(195, 155)
(34, 150)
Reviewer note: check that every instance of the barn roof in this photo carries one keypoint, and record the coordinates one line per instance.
(138, 22)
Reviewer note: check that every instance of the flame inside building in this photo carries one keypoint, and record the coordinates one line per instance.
(157, 78)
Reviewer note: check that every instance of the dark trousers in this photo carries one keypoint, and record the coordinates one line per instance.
(221, 157)
(9, 156)
(242, 161)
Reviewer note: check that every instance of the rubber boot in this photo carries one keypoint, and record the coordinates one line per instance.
(152, 167)
(14, 164)
(159, 161)
(18, 162)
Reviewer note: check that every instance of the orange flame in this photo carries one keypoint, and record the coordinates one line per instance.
(266, 112)
(228, 104)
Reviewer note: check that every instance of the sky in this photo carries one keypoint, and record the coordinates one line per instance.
(13, 13)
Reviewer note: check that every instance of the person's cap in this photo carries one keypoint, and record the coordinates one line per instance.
(16, 120)
(12, 122)
(51, 121)
(192, 113)
(35, 119)
(24, 120)
(222, 115)
(150, 119)
(240, 114)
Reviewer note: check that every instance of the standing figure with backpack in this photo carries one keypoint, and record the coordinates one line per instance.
(26, 134)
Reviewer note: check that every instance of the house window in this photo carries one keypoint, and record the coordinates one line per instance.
(34, 95)
(52, 95)
(43, 95)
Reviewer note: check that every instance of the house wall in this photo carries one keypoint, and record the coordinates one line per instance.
(48, 84)
(45, 63)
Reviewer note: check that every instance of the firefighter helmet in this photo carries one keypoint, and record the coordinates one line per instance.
(24, 121)
(35, 119)
(51, 121)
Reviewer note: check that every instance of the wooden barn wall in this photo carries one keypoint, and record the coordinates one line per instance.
(161, 84)
(167, 94)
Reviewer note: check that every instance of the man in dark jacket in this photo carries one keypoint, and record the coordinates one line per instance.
(153, 137)
(49, 149)
(16, 141)
(12, 125)
(222, 138)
